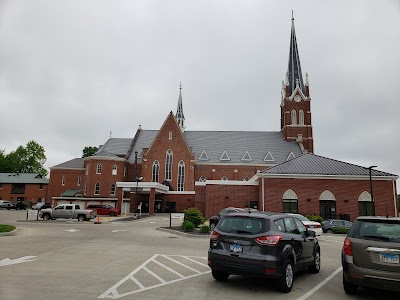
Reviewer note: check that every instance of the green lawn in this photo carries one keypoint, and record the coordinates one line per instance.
(6, 228)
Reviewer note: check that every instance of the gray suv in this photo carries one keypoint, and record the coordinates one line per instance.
(262, 244)
(371, 254)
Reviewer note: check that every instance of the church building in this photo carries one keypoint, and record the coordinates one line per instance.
(172, 169)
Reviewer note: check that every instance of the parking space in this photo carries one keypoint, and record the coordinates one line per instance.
(131, 260)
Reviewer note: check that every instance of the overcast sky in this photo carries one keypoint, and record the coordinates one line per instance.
(72, 71)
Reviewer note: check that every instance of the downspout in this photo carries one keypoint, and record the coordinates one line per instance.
(395, 199)
(262, 191)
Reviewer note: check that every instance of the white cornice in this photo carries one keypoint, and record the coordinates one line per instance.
(225, 182)
(104, 158)
(84, 198)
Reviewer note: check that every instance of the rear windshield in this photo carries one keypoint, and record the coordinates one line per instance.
(243, 225)
(379, 231)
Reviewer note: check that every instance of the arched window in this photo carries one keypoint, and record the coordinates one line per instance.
(170, 135)
(301, 117)
(79, 181)
(181, 175)
(294, 117)
(365, 204)
(168, 165)
(98, 169)
(290, 202)
(114, 169)
(155, 171)
(113, 189)
(224, 178)
(97, 188)
(202, 178)
(63, 180)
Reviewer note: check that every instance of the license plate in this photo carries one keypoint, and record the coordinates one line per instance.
(389, 258)
(235, 248)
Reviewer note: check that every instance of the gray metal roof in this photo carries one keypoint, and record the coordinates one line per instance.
(294, 68)
(34, 178)
(117, 146)
(311, 164)
(76, 163)
(104, 153)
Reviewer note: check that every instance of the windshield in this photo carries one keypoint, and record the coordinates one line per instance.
(379, 231)
(244, 225)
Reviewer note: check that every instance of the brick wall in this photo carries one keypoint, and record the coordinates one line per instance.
(33, 193)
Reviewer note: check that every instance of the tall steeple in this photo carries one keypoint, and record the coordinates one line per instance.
(294, 75)
(180, 118)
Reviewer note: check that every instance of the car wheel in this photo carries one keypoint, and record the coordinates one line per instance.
(81, 218)
(219, 275)
(285, 283)
(212, 226)
(46, 217)
(329, 231)
(349, 288)
(112, 214)
(316, 266)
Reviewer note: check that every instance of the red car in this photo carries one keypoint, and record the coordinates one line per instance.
(104, 209)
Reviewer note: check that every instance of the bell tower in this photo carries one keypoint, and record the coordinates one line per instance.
(295, 102)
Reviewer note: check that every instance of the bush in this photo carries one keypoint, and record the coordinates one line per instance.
(205, 229)
(315, 218)
(194, 216)
(6, 228)
(340, 230)
(188, 226)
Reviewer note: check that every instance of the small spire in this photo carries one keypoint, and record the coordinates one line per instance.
(179, 112)
(110, 134)
(292, 15)
(307, 84)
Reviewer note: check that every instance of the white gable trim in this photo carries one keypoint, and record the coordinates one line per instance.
(269, 157)
(224, 156)
(290, 156)
(247, 156)
(204, 156)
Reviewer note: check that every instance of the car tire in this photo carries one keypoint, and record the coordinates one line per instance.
(348, 287)
(316, 266)
(285, 283)
(212, 226)
(219, 275)
(46, 217)
(112, 214)
(329, 231)
(81, 218)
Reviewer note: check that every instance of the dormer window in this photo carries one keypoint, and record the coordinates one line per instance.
(204, 156)
(247, 156)
(224, 156)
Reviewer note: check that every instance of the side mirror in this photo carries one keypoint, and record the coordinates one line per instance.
(311, 233)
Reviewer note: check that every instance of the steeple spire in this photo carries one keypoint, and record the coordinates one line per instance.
(179, 112)
(294, 67)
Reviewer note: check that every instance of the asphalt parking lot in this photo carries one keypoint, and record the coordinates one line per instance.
(134, 260)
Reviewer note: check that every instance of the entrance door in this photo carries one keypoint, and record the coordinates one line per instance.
(170, 206)
(327, 209)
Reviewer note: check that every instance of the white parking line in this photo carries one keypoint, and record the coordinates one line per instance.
(140, 286)
(320, 285)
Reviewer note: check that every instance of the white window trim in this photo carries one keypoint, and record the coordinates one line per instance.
(269, 157)
(155, 163)
(224, 156)
(113, 189)
(95, 187)
(301, 117)
(63, 180)
(114, 170)
(204, 156)
(181, 184)
(168, 166)
(79, 181)
(247, 157)
(99, 167)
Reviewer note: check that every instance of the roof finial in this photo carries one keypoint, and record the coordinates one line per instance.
(292, 15)
(180, 85)
(110, 134)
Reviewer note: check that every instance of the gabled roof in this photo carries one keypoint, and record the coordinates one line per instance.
(72, 193)
(104, 153)
(33, 178)
(116, 146)
(311, 164)
(76, 163)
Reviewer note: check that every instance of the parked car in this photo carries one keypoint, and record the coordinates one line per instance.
(4, 203)
(104, 209)
(262, 244)
(215, 219)
(315, 226)
(327, 225)
(67, 211)
(41, 205)
(371, 254)
(16, 205)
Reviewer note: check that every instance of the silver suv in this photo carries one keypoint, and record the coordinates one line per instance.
(371, 254)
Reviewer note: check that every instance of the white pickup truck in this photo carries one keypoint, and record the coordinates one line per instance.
(67, 211)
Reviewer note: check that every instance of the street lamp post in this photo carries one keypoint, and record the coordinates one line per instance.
(370, 187)
(138, 178)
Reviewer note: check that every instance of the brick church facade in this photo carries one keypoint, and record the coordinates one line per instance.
(172, 169)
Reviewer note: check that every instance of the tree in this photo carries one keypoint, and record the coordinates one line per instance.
(24, 160)
(89, 151)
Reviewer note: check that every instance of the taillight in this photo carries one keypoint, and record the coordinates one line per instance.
(271, 240)
(214, 235)
(91, 211)
(307, 226)
(317, 226)
(347, 248)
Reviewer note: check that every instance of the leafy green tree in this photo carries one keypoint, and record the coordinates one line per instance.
(24, 160)
(89, 151)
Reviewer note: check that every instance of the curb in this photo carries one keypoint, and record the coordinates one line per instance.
(183, 233)
(14, 232)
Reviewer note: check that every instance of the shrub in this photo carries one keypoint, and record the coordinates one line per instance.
(205, 229)
(340, 230)
(6, 228)
(193, 215)
(188, 226)
(315, 218)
